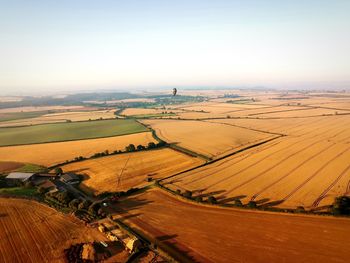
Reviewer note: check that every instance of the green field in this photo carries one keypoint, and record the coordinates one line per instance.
(68, 131)
(12, 116)
(18, 191)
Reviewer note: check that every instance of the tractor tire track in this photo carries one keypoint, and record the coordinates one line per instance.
(314, 175)
(324, 193)
(271, 167)
(290, 172)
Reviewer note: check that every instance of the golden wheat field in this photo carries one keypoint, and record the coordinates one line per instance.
(48, 154)
(123, 171)
(308, 167)
(61, 117)
(206, 138)
(43, 108)
(32, 232)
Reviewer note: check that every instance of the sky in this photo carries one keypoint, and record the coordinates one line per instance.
(82, 44)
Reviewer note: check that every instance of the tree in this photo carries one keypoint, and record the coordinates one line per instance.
(187, 194)
(151, 145)
(199, 199)
(341, 205)
(63, 197)
(238, 202)
(93, 208)
(140, 147)
(74, 204)
(130, 148)
(300, 209)
(252, 204)
(58, 171)
(84, 204)
(41, 190)
(28, 184)
(212, 200)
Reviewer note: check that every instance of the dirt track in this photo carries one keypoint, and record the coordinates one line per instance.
(209, 234)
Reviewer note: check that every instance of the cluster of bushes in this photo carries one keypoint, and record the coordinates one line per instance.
(341, 206)
(65, 200)
(118, 194)
(3, 183)
(189, 195)
(58, 199)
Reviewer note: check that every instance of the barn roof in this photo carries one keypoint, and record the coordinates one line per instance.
(70, 177)
(20, 176)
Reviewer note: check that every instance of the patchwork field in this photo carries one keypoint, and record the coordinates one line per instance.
(209, 139)
(58, 117)
(31, 232)
(123, 171)
(196, 233)
(309, 167)
(48, 154)
(67, 131)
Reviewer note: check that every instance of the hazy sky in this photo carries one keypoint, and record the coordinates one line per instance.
(80, 44)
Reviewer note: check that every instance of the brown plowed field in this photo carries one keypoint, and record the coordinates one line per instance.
(32, 232)
(123, 171)
(210, 234)
(53, 153)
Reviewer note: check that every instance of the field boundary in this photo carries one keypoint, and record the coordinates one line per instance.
(223, 157)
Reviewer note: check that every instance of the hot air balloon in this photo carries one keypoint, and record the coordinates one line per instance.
(174, 91)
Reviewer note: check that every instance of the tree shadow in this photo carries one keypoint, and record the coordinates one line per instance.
(262, 201)
(126, 205)
(213, 193)
(230, 199)
(130, 216)
(271, 204)
(166, 237)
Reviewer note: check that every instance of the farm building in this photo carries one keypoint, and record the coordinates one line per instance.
(70, 178)
(114, 233)
(16, 177)
(49, 185)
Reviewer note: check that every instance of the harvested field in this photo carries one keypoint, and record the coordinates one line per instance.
(209, 139)
(44, 108)
(140, 111)
(143, 111)
(48, 154)
(9, 166)
(68, 131)
(61, 117)
(123, 171)
(199, 233)
(32, 232)
(309, 168)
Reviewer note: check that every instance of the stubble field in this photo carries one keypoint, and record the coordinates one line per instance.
(209, 139)
(31, 232)
(199, 233)
(124, 171)
(48, 154)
